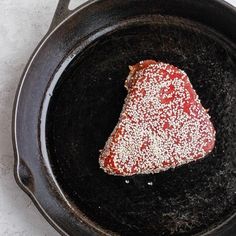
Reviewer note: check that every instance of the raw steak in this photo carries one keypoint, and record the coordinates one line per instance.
(162, 125)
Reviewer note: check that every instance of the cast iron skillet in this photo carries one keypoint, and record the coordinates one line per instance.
(70, 98)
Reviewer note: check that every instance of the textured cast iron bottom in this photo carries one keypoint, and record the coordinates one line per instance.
(85, 107)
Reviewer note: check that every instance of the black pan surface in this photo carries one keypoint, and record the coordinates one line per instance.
(85, 107)
(70, 98)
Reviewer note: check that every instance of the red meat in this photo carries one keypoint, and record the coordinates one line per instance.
(162, 125)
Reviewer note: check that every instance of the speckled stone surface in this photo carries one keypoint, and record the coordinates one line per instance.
(22, 25)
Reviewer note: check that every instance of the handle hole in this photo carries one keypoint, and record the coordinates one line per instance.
(75, 3)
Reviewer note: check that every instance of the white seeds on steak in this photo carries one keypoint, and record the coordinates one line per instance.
(162, 124)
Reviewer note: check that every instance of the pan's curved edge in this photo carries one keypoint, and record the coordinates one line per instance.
(227, 4)
(17, 158)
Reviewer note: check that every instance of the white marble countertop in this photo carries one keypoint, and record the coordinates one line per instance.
(22, 24)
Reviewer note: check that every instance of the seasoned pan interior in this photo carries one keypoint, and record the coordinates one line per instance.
(85, 107)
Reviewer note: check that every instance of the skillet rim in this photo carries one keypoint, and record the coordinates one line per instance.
(18, 160)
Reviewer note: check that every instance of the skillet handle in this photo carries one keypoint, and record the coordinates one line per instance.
(62, 11)
(23, 176)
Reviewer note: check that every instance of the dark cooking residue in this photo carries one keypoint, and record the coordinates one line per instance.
(86, 105)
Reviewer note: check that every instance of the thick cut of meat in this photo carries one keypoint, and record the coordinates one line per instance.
(162, 125)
